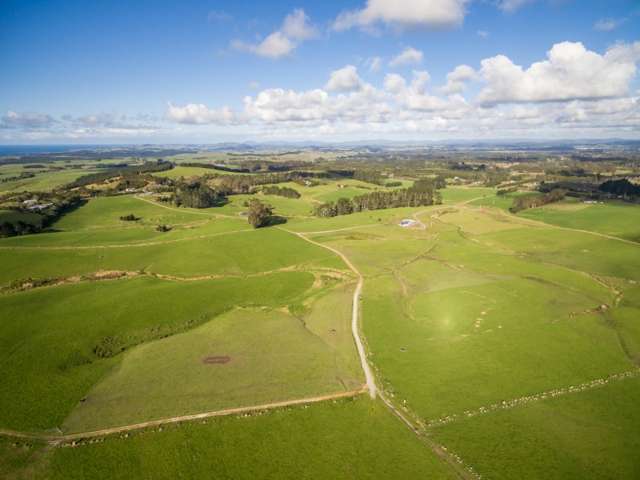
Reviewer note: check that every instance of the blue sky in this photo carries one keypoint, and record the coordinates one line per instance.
(197, 71)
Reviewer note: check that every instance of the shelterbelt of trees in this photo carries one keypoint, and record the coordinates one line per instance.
(534, 201)
(286, 192)
(422, 193)
(618, 189)
(249, 166)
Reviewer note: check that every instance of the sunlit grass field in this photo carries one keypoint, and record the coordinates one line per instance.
(587, 435)
(478, 308)
(343, 439)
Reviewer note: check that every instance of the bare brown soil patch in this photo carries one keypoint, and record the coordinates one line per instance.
(216, 359)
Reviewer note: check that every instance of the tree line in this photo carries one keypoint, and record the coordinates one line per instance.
(286, 192)
(534, 201)
(197, 195)
(422, 193)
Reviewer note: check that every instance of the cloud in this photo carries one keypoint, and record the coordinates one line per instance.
(199, 114)
(570, 72)
(345, 79)
(99, 121)
(374, 64)
(218, 16)
(26, 120)
(510, 6)
(404, 14)
(408, 56)
(347, 106)
(394, 83)
(561, 96)
(277, 104)
(458, 78)
(608, 24)
(295, 29)
(483, 34)
(16, 126)
(316, 107)
(274, 46)
(420, 80)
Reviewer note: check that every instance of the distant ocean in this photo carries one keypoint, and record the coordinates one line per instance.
(31, 149)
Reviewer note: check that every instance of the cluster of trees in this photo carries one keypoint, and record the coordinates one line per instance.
(12, 229)
(611, 189)
(621, 188)
(286, 192)
(430, 184)
(369, 176)
(213, 166)
(129, 218)
(57, 204)
(506, 191)
(535, 201)
(249, 166)
(196, 195)
(22, 176)
(243, 184)
(259, 214)
(127, 172)
(421, 194)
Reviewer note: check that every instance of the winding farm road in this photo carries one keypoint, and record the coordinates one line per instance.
(355, 311)
(456, 466)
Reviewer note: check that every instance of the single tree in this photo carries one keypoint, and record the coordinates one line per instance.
(259, 213)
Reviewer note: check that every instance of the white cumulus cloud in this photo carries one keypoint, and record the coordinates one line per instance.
(295, 29)
(199, 114)
(345, 79)
(569, 72)
(458, 78)
(573, 92)
(408, 56)
(394, 83)
(297, 26)
(404, 13)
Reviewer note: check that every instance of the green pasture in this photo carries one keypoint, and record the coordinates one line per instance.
(48, 336)
(274, 356)
(465, 194)
(611, 218)
(461, 315)
(218, 253)
(587, 435)
(577, 250)
(503, 202)
(105, 213)
(45, 181)
(286, 207)
(343, 439)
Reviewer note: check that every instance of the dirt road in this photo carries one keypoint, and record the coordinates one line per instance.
(355, 312)
(183, 418)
